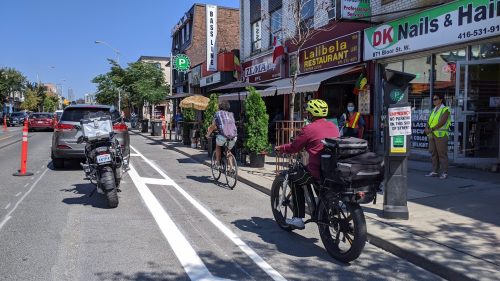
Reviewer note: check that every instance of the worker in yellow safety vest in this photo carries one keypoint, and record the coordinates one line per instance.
(437, 133)
(352, 123)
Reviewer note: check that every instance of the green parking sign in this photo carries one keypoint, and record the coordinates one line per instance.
(182, 63)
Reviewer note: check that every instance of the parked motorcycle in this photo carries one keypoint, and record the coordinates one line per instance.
(104, 158)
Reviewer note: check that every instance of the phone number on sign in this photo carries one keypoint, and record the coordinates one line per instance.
(479, 32)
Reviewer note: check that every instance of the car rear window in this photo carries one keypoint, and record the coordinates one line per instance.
(76, 114)
(17, 114)
(41, 115)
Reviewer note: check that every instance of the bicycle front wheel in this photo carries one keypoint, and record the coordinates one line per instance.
(231, 171)
(215, 167)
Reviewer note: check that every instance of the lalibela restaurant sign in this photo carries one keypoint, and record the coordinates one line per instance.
(333, 53)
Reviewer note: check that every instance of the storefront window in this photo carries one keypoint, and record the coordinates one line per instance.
(485, 51)
(419, 98)
(445, 81)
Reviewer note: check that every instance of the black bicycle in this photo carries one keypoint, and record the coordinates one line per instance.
(333, 207)
(227, 165)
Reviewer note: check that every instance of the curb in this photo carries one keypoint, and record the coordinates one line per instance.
(386, 245)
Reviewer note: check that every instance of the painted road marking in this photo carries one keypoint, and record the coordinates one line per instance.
(157, 181)
(134, 154)
(192, 263)
(229, 234)
(26, 185)
(19, 193)
(4, 138)
(8, 216)
(8, 205)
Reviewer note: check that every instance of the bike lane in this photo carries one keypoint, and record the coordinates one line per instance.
(246, 213)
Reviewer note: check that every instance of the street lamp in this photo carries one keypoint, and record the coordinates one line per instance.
(118, 62)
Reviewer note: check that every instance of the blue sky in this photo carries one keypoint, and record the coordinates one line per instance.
(54, 39)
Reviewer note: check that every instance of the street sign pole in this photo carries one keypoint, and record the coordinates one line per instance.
(397, 142)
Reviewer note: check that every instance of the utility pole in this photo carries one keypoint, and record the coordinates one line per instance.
(118, 62)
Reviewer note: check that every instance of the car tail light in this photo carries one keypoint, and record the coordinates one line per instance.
(64, 127)
(63, 147)
(120, 127)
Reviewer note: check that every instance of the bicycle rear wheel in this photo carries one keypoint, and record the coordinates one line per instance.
(342, 228)
(216, 171)
(231, 170)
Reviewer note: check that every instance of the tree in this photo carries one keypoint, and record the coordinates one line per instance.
(51, 102)
(11, 80)
(256, 122)
(298, 29)
(31, 100)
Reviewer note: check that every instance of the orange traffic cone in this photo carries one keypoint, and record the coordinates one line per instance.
(5, 123)
(24, 153)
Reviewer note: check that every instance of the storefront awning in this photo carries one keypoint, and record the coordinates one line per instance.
(178, 96)
(306, 83)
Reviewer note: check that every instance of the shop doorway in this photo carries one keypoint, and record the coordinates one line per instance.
(477, 112)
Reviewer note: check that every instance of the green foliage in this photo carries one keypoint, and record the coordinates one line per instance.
(138, 83)
(31, 100)
(256, 123)
(11, 80)
(213, 106)
(50, 103)
(188, 115)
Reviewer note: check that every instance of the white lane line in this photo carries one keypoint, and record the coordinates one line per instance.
(19, 193)
(275, 275)
(8, 216)
(157, 181)
(134, 154)
(8, 205)
(193, 265)
(26, 185)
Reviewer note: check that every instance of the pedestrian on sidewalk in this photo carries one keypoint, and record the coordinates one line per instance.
(437, 132)
(352, 123)
(178, 122)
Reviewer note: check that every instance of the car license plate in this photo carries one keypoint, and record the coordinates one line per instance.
(103, 158)
(40, 122)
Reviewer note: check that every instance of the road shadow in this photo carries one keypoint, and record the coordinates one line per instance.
(97, 200)
(289, 243)
(187, 161)
(69, 165)
(209, 179)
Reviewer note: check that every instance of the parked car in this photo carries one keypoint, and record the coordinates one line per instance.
(40, 121)
(67, 132)
(16, 118)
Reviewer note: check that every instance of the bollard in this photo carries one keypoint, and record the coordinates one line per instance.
(24, 153)
(164, 127)
(5, 123)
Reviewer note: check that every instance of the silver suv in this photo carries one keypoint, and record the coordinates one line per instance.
(64, 139)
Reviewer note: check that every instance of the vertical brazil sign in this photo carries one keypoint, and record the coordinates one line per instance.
(454, 23)
(211, 37)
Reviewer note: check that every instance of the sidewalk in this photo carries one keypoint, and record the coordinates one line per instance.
(454, 225)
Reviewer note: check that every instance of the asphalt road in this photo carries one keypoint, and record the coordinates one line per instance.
(173, 223)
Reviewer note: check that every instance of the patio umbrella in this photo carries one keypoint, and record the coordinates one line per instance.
(197, 102)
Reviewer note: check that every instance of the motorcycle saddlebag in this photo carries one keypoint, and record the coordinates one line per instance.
(345, 147)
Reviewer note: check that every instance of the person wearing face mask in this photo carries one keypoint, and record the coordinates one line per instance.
(352, 123)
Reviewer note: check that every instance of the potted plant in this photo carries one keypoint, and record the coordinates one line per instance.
(188, 117)
(256, 126)
(213, 106)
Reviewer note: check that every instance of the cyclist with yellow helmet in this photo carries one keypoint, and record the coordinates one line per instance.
(309, 138)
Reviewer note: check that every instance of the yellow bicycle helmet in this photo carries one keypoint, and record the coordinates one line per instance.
(317, 107)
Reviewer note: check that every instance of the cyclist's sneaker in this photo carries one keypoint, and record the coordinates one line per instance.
(444, 176)
(295, 222)
(432, 174)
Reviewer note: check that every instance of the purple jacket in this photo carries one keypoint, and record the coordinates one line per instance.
(310, 138)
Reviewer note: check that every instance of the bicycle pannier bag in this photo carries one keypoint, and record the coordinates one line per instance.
(361, 169)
